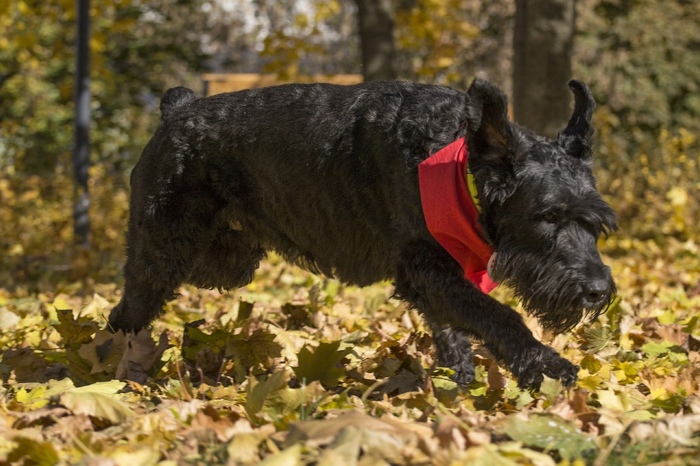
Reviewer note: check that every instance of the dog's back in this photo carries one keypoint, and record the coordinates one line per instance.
(324, 174)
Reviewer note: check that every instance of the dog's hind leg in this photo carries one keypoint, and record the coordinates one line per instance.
(228, 262)
(155, 269)
(156, 265)
(144, 296)
(168, 227)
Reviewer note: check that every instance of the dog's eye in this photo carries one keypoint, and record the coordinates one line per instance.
(551, 217)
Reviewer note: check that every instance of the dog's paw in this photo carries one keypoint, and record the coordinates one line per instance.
(464, 373)
(454, 350)
(562, 369)
(531, 368)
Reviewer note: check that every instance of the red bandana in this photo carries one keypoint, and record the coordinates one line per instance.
(451, 214)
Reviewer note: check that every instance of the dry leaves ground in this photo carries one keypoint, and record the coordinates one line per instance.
(298, 369)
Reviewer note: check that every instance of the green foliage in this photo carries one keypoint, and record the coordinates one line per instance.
(452, 41)
(133, 59)
(309, 39)
(438, 41)
(653, 189)
(551, 433)
(36, 231)
(432, 34)
(323, 364)
(640, 58)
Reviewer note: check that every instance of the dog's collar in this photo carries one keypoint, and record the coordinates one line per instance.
(450, 208)
(473, 193)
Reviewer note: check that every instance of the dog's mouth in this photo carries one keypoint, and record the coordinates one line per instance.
(561, 311)
(558, 297)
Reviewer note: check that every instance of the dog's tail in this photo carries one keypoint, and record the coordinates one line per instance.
(173, 98)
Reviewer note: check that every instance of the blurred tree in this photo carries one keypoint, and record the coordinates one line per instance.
(542, 48)
(376, 29)
(452, 41)
(81, 142)
(296, 38)
(33, 127)
(438, 41)
(134, 57)
(642, 60)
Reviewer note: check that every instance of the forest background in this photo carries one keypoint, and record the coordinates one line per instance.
(639, 379)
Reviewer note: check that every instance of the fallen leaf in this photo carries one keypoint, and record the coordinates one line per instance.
(258, 392)
(289, 457)
(383, 438)
(104, 352)
(30, 451)
(243, 447)
(96, 308)
(549, 433)
(8, 319)
(28, 366)
(682, 431)
(141, 356)
(97, 400)
(323, 364)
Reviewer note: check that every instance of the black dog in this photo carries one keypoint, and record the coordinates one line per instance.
(328, 176)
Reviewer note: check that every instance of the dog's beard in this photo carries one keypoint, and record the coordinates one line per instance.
(548, 290)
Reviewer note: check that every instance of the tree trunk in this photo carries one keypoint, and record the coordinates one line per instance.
(542, 46)
(376, 27)
(81, 151)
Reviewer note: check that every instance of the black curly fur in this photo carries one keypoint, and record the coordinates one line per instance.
(327, 176)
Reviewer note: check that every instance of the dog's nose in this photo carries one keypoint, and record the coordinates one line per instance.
(596, 290)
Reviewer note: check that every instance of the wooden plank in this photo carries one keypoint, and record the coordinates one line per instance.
(219, 83)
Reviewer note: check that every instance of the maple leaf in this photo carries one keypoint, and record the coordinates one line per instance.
(550, 433)
(141, 357)
(323, 364)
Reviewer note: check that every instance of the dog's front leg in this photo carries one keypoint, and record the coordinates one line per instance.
(429, 279)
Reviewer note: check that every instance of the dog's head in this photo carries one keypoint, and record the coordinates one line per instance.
(541, 209)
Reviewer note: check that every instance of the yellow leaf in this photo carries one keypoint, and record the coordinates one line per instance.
(591, 382)
(445, 62)
(96, 308)
(97, 45)
(626, 342)
(111, 387)
(97, 405)
(8, 319)
(660, 392)
(244, 447)
(677, 196)
(288, 457)
(667, 318)
(139, 457)
(33, 399)
(615, 401)
(60, 304)
(16, 250)
(23, 8)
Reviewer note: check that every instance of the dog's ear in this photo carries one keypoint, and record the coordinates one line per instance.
(488, 122)
(576, 137)
(489, 140)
